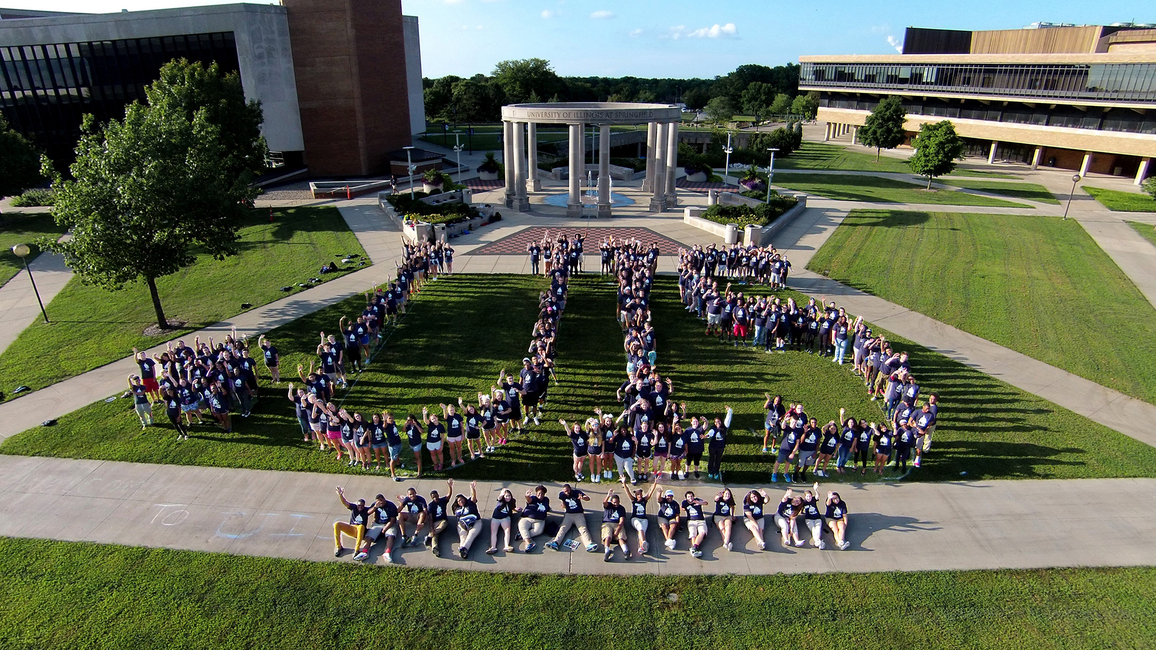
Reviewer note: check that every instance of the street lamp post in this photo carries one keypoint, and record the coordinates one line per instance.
(770, 172)
(1075, 179)
(409, 167)
(727, 172)
(458, 151)
(22, 251)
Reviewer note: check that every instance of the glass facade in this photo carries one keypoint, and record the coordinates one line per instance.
(46, 89)
(1124, 120)
(1100, 81)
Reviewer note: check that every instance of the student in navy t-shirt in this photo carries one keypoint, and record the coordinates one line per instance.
(533, 521)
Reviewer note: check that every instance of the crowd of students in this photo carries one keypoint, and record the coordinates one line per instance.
(563, 251)
(401, 524)
(757, 264)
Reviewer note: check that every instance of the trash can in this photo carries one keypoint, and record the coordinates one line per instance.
(467, 196)
(439, 232)
(732, 234)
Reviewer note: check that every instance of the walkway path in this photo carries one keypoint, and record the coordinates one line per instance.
(1111, 408)
(18, 305)
(898, 527)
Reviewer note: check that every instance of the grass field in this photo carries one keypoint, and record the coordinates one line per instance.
(1118, 201)
(874, 189)
(91, 327)
(1024, 191)
(989, 430)
(22, 228)
(822, 155)
(75, 595)
(1145, 229)
(1038, 285)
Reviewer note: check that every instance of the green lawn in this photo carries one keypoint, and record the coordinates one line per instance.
(1118, 201)
(485, 137)
(1024, 191)
(1038, 285)
(822, 155)
(989, 430)
(22, 228)
(850, 187)
(77, 595)
(91, 327)
(1145, 229)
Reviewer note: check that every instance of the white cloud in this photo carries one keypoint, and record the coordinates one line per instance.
(635, 32)
(602, 13)
(895, 43)
(714, 31)
(479, 27)
(880, 29)
(546, 13)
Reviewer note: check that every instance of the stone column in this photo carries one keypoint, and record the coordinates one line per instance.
(1039, 153)
(508, 160)
(827, 133)
(532, 169)
(671, 164)
(1142, 170)
(604, 171)
(521, 201)
(648, 182)
(658, 201)
(991, 152)
(574, 202)
(1087, 162)
(854, 135)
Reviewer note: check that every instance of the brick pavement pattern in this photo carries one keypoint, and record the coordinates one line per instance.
(516, 243)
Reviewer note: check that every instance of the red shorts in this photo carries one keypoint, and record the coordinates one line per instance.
(740, 330)
(151, 385)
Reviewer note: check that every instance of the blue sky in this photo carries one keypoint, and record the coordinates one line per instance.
(678, 38)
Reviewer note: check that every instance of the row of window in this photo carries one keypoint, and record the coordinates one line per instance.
(1123, 120)
(1103, 81)
(46, 89)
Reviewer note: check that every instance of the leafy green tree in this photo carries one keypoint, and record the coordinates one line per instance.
(806, 105)
(883, 128)
(477, 100)
(439, 98)
(169, 180)
(781, 105)
(1149, 186)
(646, 96)
(937, 147)
(696, 98)
(757, 97)
(720, 109)
(519, 78)
(19, 162)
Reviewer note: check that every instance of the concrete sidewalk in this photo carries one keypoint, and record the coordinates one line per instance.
(897, 527)
(18, 306)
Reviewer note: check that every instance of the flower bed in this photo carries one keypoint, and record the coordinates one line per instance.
(743, 215)
(417, 210)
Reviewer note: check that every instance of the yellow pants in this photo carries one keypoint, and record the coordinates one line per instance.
(356, 532)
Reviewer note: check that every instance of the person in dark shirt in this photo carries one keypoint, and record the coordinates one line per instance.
(438, 508)
(754, 505)
(614, 526)
(668, 510)
(502, 520)
(533, 521)
(469, 520)
(836, 517)
(384, 514)
(358, 519)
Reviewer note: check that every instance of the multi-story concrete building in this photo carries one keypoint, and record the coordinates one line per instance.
(1073, 97)
(340, 83)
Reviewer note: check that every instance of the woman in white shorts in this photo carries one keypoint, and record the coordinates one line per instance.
(638, 520)
(724, 512)
(789, 509)
(533, 521)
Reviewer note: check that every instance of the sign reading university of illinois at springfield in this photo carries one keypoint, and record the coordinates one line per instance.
(591, 113)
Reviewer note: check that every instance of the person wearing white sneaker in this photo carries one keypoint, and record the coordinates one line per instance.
(594, 449)
(384, 524)
(574, 516)
(614, 525)
(638, 520)
(836, 517)
(668, 510)
(501, 520)
(358, 518)
(813, 517)
(925, 420)
(469, 521)
(695, 521)
(789, 509)
(578, 442)
(533, 521)
(753, 505)
(413, 510)
(724, 511)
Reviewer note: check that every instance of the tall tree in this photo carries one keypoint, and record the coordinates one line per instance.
(519, 78)
(168, 180)
(757, 97)
(883, 128)
(720, 109)
(19, 162)
(781, 105)
(937, 147)
(806, 105)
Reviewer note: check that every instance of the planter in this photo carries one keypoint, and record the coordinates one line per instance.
(487, 176)
(697, 177)
(756, 186)
(431, 189)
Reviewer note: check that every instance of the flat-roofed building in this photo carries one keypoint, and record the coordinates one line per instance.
(1072, 97)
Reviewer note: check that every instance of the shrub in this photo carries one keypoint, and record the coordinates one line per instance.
(490, 165)
(416, 210)
(436, 177)
(695, 166)
(745, 215)
(35, 197)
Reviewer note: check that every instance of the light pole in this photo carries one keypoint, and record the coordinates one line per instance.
(770, 172)
(409, 168)
(727, 172)
(458, 151)
(1075, 179)
(22, 251)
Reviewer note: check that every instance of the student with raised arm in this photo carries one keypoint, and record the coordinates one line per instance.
(385, 524)
(533, 521)
(502, 520)
(579, 442)
(836, 517)
(358, 518)
(753, 516)
(469, 520)
(695, 522)
(772, 425)
(413, 509)
(613, 526)
(575, 516)
(813, 517)
(638, 520)
(438, 508)
(717, 435)
(140, 396)
(789, 508)
(455, 431)
(724, 512)
(435, 432)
